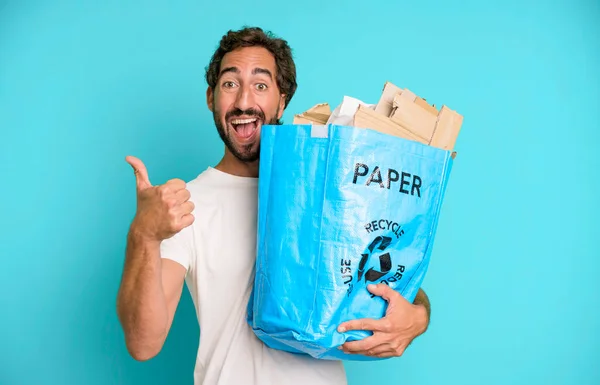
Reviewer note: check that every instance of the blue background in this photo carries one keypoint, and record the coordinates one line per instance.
(513, 277)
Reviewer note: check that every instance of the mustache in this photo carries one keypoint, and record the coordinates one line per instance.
(249, 112)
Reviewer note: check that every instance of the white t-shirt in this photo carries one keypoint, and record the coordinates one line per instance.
(219, 251)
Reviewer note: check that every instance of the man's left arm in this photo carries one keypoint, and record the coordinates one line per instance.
(421, 299)
(392, 334)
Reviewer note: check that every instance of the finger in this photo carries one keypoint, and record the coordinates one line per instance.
(384, 291)
(362, 346)
(182, 195)
(186, 208)
(176, 185)
(140, 171)
(367, 324)
(187, 220)
(383, 350)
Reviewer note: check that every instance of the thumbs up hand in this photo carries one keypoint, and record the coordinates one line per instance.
(162, 211)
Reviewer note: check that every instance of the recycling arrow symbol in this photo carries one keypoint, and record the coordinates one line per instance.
(385, 261)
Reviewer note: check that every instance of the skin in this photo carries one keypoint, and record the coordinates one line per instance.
(392, 334)
(247, 82)
(151, 287)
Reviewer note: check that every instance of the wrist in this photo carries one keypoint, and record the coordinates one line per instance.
(139, 236)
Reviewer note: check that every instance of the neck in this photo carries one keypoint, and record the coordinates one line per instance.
(232, 165)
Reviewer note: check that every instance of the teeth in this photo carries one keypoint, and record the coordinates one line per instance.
(243, 121)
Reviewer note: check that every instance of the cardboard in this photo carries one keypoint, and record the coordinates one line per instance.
(370, 119)
(447, 129)
(318, 114)
(399, 112)
(385, 104)
(423, 103)
(311, 118)
(413, 117)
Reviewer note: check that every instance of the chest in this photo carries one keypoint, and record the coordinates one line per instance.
(226, 242)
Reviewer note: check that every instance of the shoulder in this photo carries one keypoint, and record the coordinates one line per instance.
(202, 189)
(212, 180)
(204, 182)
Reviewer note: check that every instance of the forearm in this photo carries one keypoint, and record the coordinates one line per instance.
(141, 303)
(421, 299)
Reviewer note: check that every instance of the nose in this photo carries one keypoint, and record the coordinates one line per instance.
(245, 98)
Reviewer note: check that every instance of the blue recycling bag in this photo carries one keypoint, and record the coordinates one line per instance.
(339, 208)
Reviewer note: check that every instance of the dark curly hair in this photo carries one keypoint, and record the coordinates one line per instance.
(255, 36)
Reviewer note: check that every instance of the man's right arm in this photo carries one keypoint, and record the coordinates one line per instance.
(151, 286)
(148, 297)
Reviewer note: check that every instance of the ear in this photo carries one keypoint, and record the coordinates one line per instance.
(281, 106)
(210, 99)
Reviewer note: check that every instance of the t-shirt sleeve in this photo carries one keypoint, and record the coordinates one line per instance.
(179, 247)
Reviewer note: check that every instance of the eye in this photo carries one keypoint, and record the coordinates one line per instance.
(228, 84)
(261, 86)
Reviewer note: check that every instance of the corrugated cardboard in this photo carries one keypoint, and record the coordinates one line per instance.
(370, 119)
(436, 128)
(413, 117)
(318, 114)
(447, 129)
(385, 104)
(310, 118)
(423, 103)
(402, 113)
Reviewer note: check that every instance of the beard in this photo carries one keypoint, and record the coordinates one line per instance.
(246, 153)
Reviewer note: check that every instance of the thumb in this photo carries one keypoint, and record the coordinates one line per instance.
(141, 174)
(384, 291)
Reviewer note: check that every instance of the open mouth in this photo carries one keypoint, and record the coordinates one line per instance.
(245, 128)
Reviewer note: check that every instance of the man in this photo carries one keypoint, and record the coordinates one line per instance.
(180, 233)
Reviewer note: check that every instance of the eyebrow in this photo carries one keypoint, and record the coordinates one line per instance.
(229, 69)
(263, 71)
(255, 71)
